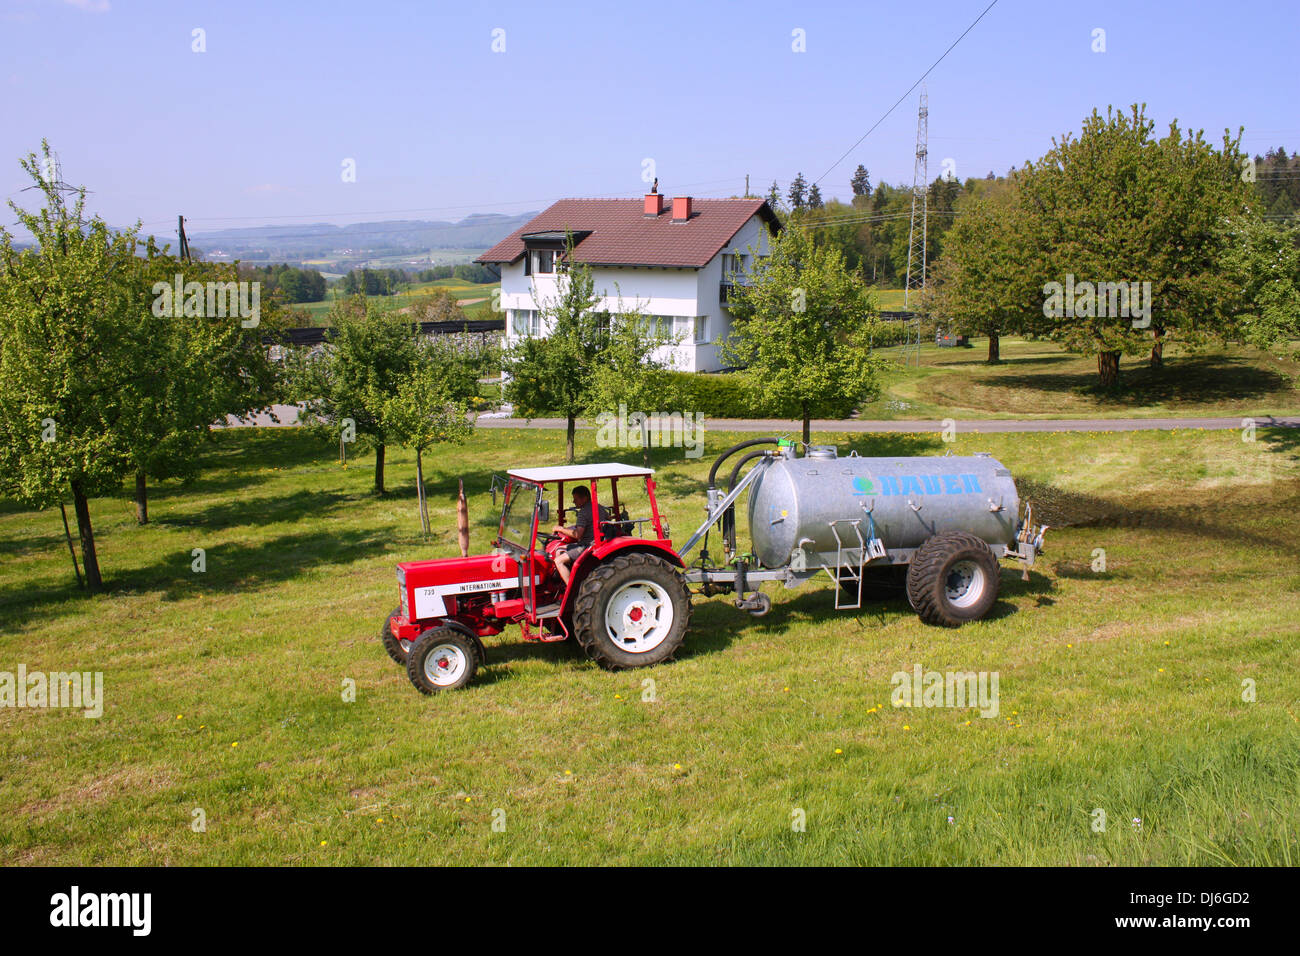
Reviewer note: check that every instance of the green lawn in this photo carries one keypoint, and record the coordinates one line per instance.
(1119, 690)
(1040, 380)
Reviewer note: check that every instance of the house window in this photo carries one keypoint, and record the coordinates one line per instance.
(701, 329)
(525, 322)
(545, 262)
(733, 263)
(683, 328)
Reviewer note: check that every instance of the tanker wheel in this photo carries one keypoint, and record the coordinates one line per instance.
(442, 658)
(632, 611)
(397, 650)
(953, 579)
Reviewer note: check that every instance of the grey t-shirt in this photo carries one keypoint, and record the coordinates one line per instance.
(582, 524)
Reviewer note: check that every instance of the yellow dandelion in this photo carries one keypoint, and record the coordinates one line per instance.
(568, 773)
(468, 799)
(179, 716)
(906, 727)
(968, 723)
(324, 842)
(235, 744)
(838, 750)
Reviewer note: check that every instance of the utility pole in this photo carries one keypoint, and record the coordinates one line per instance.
(185, 243)
(916, 242)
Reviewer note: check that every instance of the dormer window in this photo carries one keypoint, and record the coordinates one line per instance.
(545, 262)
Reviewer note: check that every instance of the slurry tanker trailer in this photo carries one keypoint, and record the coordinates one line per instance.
(934, 528)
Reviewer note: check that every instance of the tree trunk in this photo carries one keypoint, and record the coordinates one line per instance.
(419, 491)
(1108, 368)
(141, 499)
(570, 425)
(67, 534)
(379, 468)
(807, 426)
(995, 349)
(1158, 350)
(93, 581)
(645, 440)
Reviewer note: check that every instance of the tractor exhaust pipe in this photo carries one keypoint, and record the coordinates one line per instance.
(462, 519)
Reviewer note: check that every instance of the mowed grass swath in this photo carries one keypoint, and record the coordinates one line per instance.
(1120, 689)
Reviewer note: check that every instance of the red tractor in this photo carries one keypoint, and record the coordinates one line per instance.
(933, 529)
(626, 601)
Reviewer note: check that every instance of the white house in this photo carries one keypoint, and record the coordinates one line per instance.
(672, 261)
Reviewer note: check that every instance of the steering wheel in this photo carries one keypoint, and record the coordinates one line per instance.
(546, 537)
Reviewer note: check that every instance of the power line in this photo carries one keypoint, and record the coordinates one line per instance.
(908, 93)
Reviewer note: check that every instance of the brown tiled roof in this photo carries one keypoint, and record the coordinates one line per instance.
(621, 234)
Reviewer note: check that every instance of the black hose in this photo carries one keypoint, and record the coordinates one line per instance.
(735, 472)
(713, 472)
(729, 516)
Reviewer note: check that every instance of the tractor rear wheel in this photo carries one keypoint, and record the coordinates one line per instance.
(442, 658)
(397, 650)
(632, 611)
(953, 579)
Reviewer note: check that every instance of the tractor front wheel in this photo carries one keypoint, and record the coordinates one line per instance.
(953, 579)
(632, 611)
(442, 658)
(397, 650)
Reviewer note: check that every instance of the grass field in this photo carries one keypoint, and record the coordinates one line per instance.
(1039, 380)
(1120, 689)
(319, 311)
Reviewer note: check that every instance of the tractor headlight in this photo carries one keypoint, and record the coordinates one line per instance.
(401, 588)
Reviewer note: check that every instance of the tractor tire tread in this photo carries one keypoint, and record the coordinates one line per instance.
(584, 608)
(928, 561)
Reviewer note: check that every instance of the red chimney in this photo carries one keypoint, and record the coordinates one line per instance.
(681, 208)
(654, 204)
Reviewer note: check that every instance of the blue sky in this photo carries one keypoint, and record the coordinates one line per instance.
(256, 129)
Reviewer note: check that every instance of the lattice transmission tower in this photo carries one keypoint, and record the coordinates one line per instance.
(916, 238)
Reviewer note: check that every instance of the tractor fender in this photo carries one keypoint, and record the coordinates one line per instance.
(606, 549)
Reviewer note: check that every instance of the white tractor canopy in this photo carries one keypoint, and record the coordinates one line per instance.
(613, 469)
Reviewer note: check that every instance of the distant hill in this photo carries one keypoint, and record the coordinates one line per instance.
(357, 241)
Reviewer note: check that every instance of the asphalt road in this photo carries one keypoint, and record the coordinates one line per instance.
(288, 415)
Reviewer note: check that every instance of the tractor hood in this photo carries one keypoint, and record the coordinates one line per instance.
(427, 586)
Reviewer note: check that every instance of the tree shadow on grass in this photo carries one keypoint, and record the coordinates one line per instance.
(268, 509)
(1183, 380)
(231, 568)
(34, 544)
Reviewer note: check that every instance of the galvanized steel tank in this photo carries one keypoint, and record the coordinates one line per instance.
(909, 499)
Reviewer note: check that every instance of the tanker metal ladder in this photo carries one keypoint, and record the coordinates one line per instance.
(867, 551)
(845, 568)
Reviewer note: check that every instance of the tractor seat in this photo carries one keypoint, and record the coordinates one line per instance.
(616, 529)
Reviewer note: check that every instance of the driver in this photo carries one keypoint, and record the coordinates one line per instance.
(581, 535)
